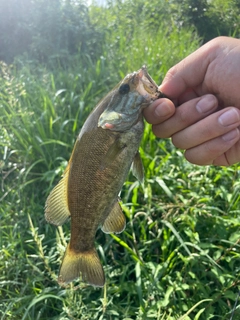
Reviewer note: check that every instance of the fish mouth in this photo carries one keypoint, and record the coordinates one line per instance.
(147, 86)
(145, 77)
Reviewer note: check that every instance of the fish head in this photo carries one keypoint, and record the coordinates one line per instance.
(127, 100)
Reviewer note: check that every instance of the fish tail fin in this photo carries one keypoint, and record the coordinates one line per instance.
(85, 264)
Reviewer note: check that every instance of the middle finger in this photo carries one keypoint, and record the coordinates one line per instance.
(213, 126)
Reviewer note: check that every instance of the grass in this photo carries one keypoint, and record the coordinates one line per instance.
(179, 255)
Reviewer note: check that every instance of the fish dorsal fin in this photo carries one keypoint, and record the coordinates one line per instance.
(115, 221)
(137, 167)
(56, 207)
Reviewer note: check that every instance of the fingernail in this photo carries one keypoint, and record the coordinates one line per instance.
(206, 104)
(163, 110)
(231, 135)
(229, 117)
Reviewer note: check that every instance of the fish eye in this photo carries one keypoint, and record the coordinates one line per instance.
(124, 88)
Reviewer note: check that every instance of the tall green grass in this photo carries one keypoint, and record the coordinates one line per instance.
(179, 255)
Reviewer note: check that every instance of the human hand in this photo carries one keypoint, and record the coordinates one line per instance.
(204, 87)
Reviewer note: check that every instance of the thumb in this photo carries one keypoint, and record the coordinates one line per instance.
(189, 73)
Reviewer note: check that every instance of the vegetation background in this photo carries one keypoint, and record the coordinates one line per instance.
(179, 257)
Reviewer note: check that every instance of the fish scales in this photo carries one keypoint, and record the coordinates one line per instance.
(106, 147)
(84, 180)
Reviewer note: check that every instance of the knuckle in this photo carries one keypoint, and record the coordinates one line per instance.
(178, 141)
(160, 132)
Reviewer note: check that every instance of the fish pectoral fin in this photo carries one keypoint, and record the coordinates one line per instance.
(81, 264)
(56, 207)
(115, 221)
(137, 167)
(112, 153)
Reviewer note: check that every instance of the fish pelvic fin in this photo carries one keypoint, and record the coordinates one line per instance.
(85, 264)
(56, 207)
(115, 221)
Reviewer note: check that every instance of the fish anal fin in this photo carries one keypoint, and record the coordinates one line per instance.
(137, 167)
(56, 207)
(81, 264)
(115, 221)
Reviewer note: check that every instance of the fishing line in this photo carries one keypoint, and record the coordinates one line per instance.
(235, 306)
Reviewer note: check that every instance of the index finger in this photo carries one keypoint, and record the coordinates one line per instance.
(159, 111)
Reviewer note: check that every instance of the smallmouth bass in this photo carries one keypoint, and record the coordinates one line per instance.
(104, 151)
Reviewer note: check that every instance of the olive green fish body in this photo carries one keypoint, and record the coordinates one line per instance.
(106, 147)
(93, 190)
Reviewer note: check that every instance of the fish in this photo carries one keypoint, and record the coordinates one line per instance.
(88, 193)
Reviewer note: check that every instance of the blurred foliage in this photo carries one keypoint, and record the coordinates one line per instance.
(211, 18)
(44, 30)
(51, 31)
(179, 256)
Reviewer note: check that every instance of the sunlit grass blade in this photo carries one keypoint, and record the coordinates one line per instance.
(125, 245)
(171, 227)
(194, 307)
